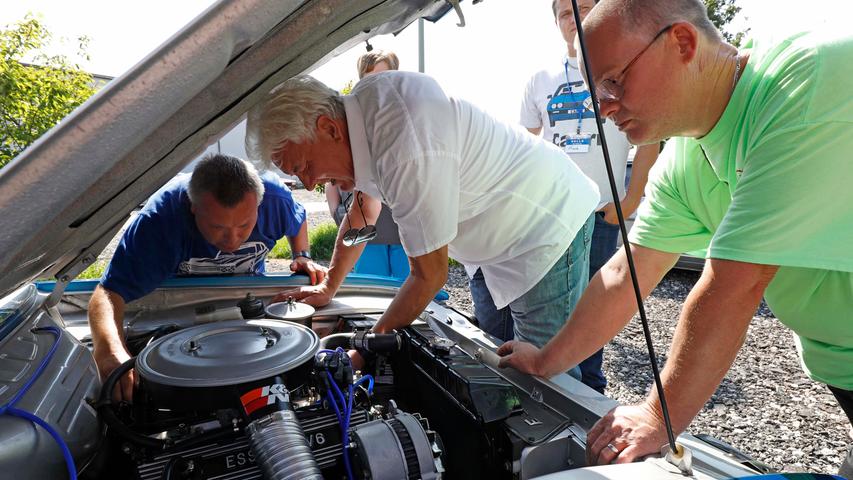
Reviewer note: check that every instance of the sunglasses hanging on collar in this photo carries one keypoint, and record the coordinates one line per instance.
(357, 236)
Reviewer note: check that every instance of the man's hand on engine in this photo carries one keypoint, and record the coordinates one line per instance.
(317, 295)
(107, 361)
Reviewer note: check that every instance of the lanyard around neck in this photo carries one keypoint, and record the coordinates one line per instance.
(572, 95)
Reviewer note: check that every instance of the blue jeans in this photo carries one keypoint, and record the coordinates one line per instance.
(386, 260)
(539, 313)
(604, 239)
(492, 320)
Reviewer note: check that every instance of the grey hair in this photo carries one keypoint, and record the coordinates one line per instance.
(289, 114)
(648, 17)
(227, 178)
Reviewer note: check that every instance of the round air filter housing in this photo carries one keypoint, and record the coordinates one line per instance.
(212, 365)
(291, 311)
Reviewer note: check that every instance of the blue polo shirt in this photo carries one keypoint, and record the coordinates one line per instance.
(164, 241)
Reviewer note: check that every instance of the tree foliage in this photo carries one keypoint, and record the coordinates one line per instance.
(36, 90)
(721, 13)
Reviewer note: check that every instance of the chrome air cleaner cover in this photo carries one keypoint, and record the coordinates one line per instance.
(292, 311)
(213, 364)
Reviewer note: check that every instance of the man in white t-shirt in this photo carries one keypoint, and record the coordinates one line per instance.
(458, 183)
(557, 105)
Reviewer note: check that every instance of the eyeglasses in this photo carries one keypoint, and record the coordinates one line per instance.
(610, 90)
(357, 236)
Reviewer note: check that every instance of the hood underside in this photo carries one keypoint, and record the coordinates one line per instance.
(66, 196)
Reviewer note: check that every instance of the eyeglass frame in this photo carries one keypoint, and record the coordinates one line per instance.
(357, 236)
(606, 93)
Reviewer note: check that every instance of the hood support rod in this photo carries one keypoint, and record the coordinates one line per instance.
(66, 275)
(674, 451)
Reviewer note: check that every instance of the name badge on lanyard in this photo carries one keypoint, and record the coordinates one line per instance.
(578, 143)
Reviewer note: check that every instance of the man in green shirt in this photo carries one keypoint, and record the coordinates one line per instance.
(759, 179)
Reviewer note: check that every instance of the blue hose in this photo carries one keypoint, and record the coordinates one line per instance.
(9, 408)
(343, 411)
(346, 429)
(369, 379)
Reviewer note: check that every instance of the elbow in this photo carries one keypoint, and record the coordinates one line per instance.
(433, 281)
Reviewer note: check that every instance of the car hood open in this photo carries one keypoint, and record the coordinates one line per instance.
(67, 195)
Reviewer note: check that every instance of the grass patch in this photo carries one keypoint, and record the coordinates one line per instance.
(94, 271)
(322, 241)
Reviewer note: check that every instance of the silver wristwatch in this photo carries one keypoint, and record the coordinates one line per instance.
(302, 253)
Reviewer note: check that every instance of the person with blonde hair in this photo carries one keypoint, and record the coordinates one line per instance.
(377, 61)
(384, 254)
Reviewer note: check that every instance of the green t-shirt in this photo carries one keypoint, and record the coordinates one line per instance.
(772, 183)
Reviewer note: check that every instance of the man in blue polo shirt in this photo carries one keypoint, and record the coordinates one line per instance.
(222, 219)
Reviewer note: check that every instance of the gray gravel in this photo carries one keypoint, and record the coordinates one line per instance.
(765, 406)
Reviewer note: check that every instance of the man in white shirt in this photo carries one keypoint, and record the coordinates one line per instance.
(557, 105)
(458, 182)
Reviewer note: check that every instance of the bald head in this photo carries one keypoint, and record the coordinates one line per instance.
(666, 68)
(647, 17)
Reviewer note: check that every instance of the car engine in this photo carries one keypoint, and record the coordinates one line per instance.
(267, 398)
(261, 399)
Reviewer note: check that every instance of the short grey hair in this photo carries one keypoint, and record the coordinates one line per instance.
(289, 114)
(227, 178)
(648, 17)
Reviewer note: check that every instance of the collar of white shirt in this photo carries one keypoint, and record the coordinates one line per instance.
(361, 161)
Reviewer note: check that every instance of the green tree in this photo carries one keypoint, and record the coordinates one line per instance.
(721, 13)
(36, 90)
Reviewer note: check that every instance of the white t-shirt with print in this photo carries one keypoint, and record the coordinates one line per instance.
(453, 175)
(554, 99)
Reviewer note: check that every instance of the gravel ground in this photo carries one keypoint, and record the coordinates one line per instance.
(765, 406)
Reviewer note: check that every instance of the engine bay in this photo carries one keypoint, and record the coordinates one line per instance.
(232, 388)
(269, 399)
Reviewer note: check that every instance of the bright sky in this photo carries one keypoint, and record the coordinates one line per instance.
(488, 62)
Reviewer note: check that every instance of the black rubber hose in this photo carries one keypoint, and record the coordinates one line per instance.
(108, 415)
(376, 342)
(363, 342)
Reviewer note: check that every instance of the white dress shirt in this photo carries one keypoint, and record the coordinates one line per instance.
(452, 175)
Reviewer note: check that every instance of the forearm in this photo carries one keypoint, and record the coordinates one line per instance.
(343, 257)
(710, 331)
(413, 297)
(300, 242)
(605, 308)
(106, 315)
(343, 260)
(643, 161)
(428, 274)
